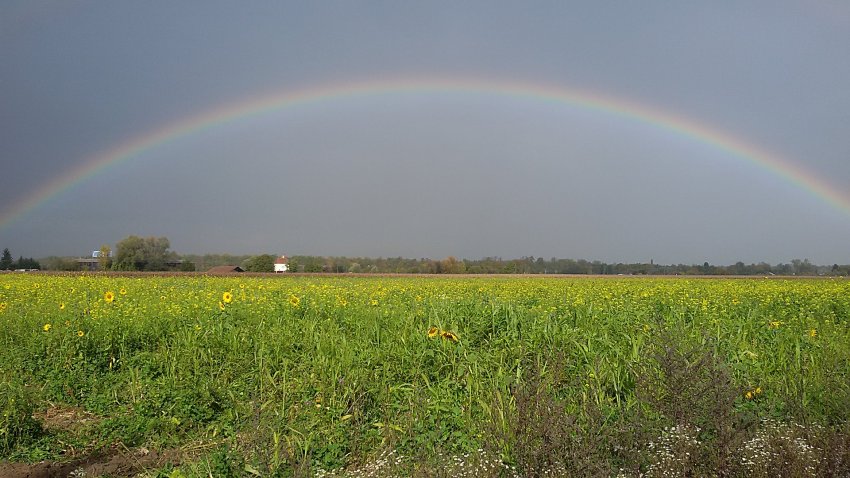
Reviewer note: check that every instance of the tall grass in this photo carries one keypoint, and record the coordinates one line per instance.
(298, 375)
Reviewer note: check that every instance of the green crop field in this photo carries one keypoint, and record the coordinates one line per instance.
(402, 376)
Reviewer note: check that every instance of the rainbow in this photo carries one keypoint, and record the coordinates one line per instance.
(690, 129)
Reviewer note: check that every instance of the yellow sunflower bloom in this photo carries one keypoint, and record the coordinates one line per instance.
(450, 336)
(294, 301)
(47, 327)
(123, 291)
(109, 297)
(80, 333)
(221, 305)
(433, 332)
(227, 297)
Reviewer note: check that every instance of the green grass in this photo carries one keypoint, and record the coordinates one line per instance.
(299, 374)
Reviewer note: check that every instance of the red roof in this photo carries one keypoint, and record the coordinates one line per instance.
(281, 260)
(224, 270)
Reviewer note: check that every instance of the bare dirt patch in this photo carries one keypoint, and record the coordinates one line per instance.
(114, 464)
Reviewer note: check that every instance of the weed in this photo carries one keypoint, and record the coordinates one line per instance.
(17, 425)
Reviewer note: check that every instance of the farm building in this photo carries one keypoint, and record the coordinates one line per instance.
(225, 270)
(281, 264)
(92, 263)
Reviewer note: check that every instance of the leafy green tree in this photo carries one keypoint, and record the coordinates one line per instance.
(6, 260)
(129, 254)
(261, 263)
(135, 253)
(104, 259)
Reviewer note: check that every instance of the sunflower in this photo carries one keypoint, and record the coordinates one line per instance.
(221, 305)
(109, 297)
(123, 291)
(61, 306)
(294, 301)
(227, 297)
(433, 332)
(80, 333)
(450, 336)
(47, 327)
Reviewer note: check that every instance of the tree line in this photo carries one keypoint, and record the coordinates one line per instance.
(9, 264)
(132, 253)
(497, 265)
(135, 253)
(539, 265)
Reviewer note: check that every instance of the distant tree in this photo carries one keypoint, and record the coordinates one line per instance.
(55, 263)
(261, 263)
(129, 254)
(6, 260)
(313, 264)
(804, 267)
(104, 259)
(26, 263)
(451, 265)
(134, 253)
(156, 251)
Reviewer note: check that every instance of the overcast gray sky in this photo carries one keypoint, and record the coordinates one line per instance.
(433, 173)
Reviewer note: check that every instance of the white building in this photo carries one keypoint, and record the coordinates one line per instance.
(281, 264)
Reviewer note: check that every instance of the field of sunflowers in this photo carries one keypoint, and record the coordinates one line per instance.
(387, 376)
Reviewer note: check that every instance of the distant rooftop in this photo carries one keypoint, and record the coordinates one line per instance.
(225, 270)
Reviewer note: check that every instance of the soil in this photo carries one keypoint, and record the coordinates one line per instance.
(115, 465)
